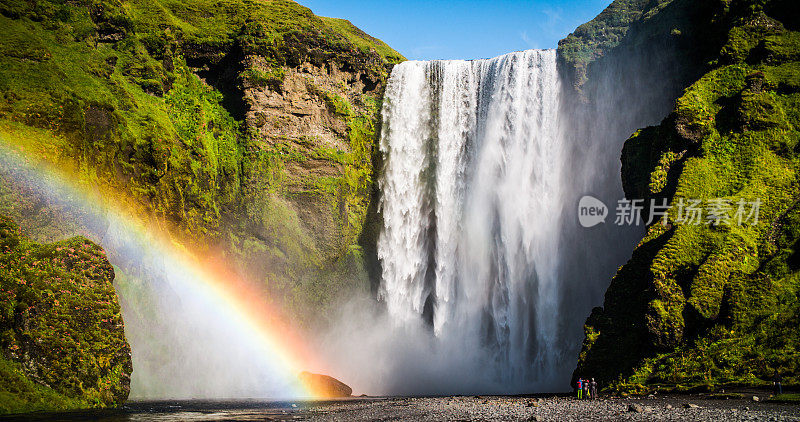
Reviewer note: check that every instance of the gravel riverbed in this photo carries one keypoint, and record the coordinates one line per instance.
(454, 408)
(554, 408)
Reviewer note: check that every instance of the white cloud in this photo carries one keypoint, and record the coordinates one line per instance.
(527, 40)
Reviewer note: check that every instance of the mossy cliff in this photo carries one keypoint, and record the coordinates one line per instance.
(249, 126)
(661, 44)
(594, 38)
(701, 306)
(61, 337)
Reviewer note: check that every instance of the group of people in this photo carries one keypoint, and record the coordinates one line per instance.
(587, 389)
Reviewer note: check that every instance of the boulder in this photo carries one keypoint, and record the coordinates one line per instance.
(325, 386)
(636, 408)
(63, 342)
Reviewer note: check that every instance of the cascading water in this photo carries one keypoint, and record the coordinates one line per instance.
(472, 203)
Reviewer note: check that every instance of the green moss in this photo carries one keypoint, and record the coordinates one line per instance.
(18, 394)
(338, 105)
(785, 398)
(708, 305)
(592, 39)
(726, 396)
(334, 155)
(62, 323)
(272, 78)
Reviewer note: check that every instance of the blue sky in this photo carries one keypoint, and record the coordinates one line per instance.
(466, 29)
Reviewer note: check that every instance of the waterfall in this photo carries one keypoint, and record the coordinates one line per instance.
(473, 193)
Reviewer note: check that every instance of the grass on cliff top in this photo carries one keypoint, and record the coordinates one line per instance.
(362, 40)
(217, 24)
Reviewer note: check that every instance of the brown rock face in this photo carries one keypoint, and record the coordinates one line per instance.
(308, 112)
(324, 386)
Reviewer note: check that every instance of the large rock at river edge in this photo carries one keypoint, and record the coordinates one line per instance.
(324, 386)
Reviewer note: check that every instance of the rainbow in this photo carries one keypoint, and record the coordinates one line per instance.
(238, 302)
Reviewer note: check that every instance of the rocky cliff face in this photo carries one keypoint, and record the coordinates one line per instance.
(322, 119)
(62, 344)
(248, 126)
(704, 305)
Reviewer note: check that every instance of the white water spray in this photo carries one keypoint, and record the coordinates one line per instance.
(472, 207)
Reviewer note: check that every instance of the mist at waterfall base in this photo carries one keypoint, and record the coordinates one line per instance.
(486, 275)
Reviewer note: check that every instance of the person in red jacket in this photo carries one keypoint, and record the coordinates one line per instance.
(580, 388)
